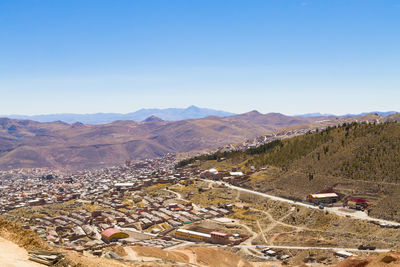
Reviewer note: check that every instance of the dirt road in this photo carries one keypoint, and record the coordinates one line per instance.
(312, 248)
(356, 215)
(12, 255)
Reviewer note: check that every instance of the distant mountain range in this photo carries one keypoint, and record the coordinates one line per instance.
(168, 114)
(27, 143)
(311, 115)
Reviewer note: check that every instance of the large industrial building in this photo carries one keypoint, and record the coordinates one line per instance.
(192, 235)
(213, 237)
(324, 198)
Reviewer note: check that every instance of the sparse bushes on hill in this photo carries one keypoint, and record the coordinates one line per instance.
(356, 151)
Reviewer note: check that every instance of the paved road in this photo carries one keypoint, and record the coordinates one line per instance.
(356, 214)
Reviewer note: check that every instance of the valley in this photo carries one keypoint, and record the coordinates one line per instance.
(77, 146)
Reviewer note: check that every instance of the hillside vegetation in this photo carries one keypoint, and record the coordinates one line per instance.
(355, 151)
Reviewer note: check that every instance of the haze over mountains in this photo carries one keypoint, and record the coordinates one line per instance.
(168, 114)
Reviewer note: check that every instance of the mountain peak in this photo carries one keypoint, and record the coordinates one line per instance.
(192, 107)
(253, 113)
(77, 125)
(153, 118)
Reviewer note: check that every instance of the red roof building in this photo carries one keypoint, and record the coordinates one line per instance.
(112, 234)
(357, 200)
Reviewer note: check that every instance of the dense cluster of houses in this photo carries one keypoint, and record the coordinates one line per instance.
(264, 139)
(120, 202)
(32, 187)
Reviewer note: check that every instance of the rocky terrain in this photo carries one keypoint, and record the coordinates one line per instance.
(384, 260)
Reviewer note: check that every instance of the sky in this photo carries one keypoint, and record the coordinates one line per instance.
(291, 56)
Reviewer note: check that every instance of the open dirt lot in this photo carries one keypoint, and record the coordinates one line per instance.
(11, 255)
(197, 256)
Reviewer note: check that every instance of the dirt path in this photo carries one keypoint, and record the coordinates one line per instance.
(274, 223)
(275, 236)
(262, 232)
(249, 240)
(11, 255)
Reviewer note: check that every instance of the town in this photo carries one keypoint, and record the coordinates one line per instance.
(107, 205)
(132, 204)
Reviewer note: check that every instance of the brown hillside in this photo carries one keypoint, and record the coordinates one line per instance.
(384, 260)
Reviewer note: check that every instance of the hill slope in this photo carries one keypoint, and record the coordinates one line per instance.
(356, 151)
(359, 160)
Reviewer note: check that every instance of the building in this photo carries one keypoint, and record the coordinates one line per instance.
(236, 174)
(324, 198)
(192, 235)
(343, 254)
(219, 238)
(112, 234)
(357, 203)
(124, 186)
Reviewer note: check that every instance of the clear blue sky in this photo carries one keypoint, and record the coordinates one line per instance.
(274, 56)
